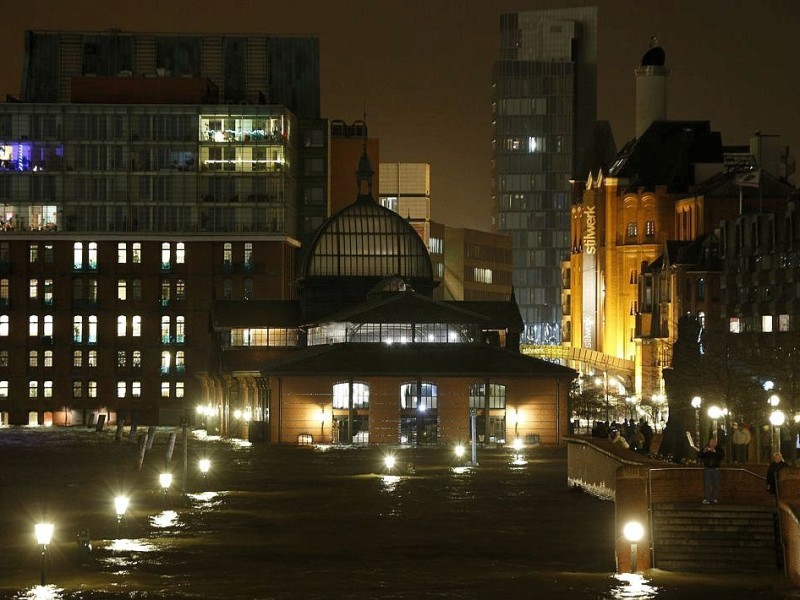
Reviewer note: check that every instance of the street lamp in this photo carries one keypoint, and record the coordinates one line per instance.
(44, 533)
(389, 462)
(777, 418)
(696, 402)
(204, 465)
(632, 400)
(714, 413)
(165, 479)
(120, 507)
(633, 532)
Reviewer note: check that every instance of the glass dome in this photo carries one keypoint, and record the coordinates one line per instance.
(368, 240)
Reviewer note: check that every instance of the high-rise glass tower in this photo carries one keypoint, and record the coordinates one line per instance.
(544, 111)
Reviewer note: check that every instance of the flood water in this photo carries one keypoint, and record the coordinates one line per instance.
(287, 522)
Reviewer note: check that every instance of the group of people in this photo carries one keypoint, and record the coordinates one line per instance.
(638, 436)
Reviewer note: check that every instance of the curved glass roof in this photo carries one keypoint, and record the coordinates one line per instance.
(368, 240)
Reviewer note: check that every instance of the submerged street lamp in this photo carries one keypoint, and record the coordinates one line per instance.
(165, 479)
(44, 534)
(633, 532)
(120, 507)
(204, 465)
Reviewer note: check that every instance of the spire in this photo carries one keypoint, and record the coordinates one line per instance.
(365, 172)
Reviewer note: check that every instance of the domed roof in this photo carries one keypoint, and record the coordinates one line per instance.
(367, 240)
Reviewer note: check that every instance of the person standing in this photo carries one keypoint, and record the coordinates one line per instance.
(741, 442)
(774, 468)
(711, 457)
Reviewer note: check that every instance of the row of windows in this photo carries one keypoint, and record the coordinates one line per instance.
(419, 395)
(170, 361)
(85, 329)
(80, 388)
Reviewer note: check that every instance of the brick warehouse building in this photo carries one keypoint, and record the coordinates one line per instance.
(366, 355)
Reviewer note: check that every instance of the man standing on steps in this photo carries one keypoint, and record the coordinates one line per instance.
(772, 472)
(711, 456)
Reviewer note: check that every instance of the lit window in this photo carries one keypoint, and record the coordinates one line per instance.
(48, 292)
(227, 255)
(180, 289)
(165, 330)
(180, 330)
(48, 389)
(783, 322)
(650, 228)
(4, 388)
(92, 337)
(33, 253)
(48, 359)
(766, 323)
(92, 259)
(92, 358)
(735, 325)
(180, 253)
(179, 361)
(77, 358)
(4, 291)
(33, 325)
(136, 358)
(122, 326)
(122, 253)
(122, 389)
(3, 358)
(136, 326)
(33, 288)
(633, 229)
(77, 329)
(77, 389)
(92, 389)
(341, 395)
(166, 256)
(248, 255)
(165, 389)
(166, 359)
(136, 389)
(122, 289)
(179, 389)
(33, 358)
(482, 275)
(165, 292)
(93, 290)
(47, 329)
(33, 389)
(3, 325)
(122, 358)
(136, 252)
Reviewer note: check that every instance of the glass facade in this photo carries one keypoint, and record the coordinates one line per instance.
(543, 111)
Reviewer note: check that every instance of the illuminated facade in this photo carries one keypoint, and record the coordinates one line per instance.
(366, 355)
(544, 117)
(132, 200)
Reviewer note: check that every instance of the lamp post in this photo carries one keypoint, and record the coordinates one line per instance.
(165, 479)
(512, 416)
(120, 507)
(633, 532)
(777, 418)
(44, 534)
(204, 465)
(632, 400)
(696, 402)
(658, 401)
(714, 413)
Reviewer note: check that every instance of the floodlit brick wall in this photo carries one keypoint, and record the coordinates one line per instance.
(789, 511)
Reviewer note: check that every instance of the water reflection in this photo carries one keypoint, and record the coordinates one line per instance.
(460, 470)
(518, 460)
(164, 520)
(390, 482)
(632, 586)
(41, 592)
(206, 499)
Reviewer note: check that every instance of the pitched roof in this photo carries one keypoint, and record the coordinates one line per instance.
(434, 360)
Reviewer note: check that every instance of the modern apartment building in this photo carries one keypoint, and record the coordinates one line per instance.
(544, 109)
(142, 177)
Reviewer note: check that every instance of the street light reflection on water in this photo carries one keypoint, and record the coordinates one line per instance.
(632, 586)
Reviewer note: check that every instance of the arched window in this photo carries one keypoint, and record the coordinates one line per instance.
(419, 395)
(341, 395)
(122, 326)
(92, 337)
(3, 325)
(33, 325)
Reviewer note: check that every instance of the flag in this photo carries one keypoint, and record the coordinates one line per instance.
(749, 179)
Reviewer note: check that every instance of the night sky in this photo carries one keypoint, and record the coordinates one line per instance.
(422, 68)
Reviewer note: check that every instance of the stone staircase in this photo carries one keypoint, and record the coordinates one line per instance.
(716, 538)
